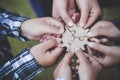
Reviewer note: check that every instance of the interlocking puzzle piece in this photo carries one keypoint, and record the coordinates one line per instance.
(75, 37)
(67, 38)
(78, 44)
(78, 31)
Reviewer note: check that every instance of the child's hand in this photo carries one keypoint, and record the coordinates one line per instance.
(111, 54)
(105, 28)
(36, 29)
(88, 67)
(46, 53)
(63, 70)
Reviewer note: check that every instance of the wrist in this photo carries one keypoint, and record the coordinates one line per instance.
(60, 79)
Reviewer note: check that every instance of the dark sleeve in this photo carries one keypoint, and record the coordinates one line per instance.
(10, 24)
(116, 22)
(22, 67)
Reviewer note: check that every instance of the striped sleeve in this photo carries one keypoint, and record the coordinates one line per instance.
(10, 24)
(22, 67)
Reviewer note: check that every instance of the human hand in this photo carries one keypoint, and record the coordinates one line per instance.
(111, 54)
(63, 70)
(36, 29)
(88, 67)
(64, 9)
(104, 28)
(46, 53)
(90, 11)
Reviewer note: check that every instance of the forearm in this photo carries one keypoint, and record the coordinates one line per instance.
(22, 67)
(10, 24)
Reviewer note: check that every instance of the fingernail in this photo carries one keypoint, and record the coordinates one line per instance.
(82, 24)
(58, 40)
(77, 49)
(90, 34)
(70, 23)
(61, 30)
(91, 44)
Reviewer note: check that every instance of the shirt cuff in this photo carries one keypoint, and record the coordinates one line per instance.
(11, 23)
(116, 22)
(22, 67)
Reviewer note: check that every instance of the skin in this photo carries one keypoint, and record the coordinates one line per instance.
(46, 53)
(88, 68)
(40, 28)
(63, 70)
(111, 53)
(89, 11)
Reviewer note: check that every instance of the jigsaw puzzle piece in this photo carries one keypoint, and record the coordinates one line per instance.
(67, 38)
(78, 44)
(78, 31)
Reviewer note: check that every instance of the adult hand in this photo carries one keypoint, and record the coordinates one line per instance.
(104, 28)
(111, 54)
(46, 53)
(88, 67)
(89, 10)
(64, 9)
(36, 29)
(63, 70)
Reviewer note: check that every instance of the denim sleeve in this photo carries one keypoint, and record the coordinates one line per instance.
(22, 67)
(10, 24)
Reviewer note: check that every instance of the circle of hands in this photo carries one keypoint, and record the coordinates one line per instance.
(88, 65)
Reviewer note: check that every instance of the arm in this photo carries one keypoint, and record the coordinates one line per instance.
(23, 66)
(10, 24)
(28, 63)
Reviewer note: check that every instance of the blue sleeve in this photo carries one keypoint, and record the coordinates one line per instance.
(22, 67)
(116, 22)
(10, 24)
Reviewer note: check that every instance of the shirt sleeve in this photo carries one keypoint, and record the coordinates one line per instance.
(116, 22)
(22, 67)
(10, 24)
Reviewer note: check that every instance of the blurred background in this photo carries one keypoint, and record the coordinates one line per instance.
(111, 10)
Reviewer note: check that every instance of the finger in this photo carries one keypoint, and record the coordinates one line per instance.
(81, 56)
(54, 27)
(75, 17)
(56, 52)
(84, 16)
(92, 18)
(66, 18)
(104, 40)
(48, 45)
(101, 48)
(97, 30)
(68, 57)
(95, 40)
(89, 51)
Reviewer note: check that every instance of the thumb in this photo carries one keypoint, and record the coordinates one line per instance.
(66, 18)
(99, 47)
(81, 56)
(67, 57)
(56, 52)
